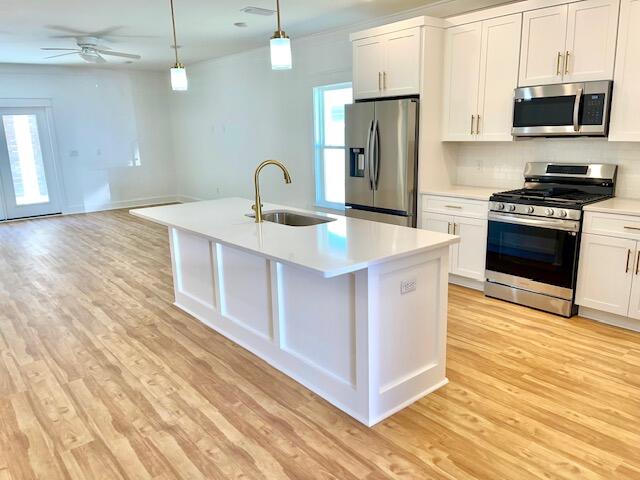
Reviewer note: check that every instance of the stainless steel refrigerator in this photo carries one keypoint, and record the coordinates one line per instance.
(382, 159)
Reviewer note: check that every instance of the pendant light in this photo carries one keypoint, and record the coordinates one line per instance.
(179, 81)
(280, 47)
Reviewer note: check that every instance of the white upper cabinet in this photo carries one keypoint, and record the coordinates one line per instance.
(368, 60)
(498, 77)
(569, 43)
(481, 72)
(401, 72)
(625, 121)
(387, 65)
(592, 28)
(462, 67)
(544, 34)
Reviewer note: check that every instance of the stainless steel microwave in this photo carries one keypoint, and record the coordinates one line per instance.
(568, 109)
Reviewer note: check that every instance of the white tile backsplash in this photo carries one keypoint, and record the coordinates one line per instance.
(501, 165)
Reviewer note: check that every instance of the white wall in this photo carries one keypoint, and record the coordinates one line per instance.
(239, 112)
(501, 165)
(100, 116)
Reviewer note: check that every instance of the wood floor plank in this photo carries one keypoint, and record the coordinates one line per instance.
(101, 377)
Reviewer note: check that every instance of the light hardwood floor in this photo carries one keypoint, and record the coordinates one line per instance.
(102, 378)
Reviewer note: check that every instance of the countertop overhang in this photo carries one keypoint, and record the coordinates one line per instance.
(342, 246)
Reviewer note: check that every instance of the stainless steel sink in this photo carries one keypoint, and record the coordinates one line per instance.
(293, 219)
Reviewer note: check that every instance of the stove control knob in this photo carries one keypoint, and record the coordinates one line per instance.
(500, 206)
(530, 209)
(563, 213)
(549, 212)
(512, 208)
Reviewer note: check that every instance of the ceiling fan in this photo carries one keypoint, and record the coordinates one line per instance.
(90, 51)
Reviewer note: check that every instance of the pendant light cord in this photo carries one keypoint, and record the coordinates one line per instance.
(277, 13)
(175, 41)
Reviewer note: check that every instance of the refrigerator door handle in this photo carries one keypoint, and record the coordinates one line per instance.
(376, 155)
(368, 154)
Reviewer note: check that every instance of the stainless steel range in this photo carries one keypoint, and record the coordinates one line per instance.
(534, 234)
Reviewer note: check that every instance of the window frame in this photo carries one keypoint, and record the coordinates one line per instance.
(319, 144)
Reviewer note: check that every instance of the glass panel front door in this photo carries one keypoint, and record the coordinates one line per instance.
(26, 164)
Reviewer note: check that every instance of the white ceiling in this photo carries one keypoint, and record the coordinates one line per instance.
(205, 27)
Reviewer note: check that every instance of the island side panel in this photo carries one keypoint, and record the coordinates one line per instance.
(312, 328)
(193, 275)
(408, 329)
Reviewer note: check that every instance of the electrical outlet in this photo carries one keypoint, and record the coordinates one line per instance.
(407, 286)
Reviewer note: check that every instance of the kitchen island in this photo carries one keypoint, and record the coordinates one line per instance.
(354, 310)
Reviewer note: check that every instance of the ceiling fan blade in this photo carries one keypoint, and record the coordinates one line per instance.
(106, 32)
(68, 30)
(60, 49)
(61, 55)
(63, 36)
(120, 54)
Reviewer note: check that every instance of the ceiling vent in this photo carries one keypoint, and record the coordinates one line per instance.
(265, 12)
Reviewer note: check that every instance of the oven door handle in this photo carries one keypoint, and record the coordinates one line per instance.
(576, 111)
(552, 223)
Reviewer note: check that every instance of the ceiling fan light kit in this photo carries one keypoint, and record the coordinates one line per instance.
(280, 45)
(179, 80)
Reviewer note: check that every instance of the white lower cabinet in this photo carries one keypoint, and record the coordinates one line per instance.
(471, 252)
(609, 270)
(606, 273)
(467, 259)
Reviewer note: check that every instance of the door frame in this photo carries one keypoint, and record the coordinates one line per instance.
(55, 180)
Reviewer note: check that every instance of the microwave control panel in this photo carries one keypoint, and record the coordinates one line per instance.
(593, 109)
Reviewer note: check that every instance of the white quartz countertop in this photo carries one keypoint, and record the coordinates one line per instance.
(461, 191)
(335, 248)
(621, 206)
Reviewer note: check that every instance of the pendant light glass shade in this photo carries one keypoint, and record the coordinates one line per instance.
(281, 53)
(179, 81)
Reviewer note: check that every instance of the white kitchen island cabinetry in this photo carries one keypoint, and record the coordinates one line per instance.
(354, 310)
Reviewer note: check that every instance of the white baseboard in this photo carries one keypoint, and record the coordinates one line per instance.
(188, 198)
(466, 282)
(132, 203)
(610, 318)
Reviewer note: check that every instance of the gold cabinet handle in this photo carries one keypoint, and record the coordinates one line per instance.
(631, 228)
(380, 81)
(638, 262)
(454, 228)
(458, 207)
(566, 62)
(626, 270)
(384, 80)
(478, 125)
(558, 60)
(473, 118)
(449, 228)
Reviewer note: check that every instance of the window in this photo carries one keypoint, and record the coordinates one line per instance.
(330, 148)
